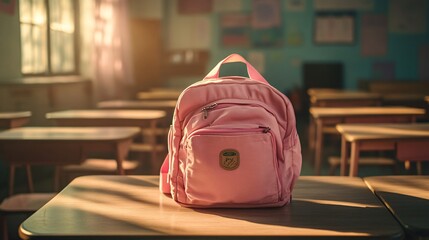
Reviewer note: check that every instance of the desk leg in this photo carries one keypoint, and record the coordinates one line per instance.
(354, 159)
(419, 168)
(29, 178)
(11, 179)
(57, 176)
(3, 221)
(122, 149)
(344, 155)
(318, 147)
(311, 133)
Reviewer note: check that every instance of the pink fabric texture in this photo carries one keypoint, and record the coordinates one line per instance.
(233, 143)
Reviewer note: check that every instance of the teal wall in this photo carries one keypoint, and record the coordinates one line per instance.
(283, 64)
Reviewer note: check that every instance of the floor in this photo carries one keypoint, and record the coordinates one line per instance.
(43, 175)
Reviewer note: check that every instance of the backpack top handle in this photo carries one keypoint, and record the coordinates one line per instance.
(251, 71)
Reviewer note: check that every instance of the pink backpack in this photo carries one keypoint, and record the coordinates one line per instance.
(232, 143)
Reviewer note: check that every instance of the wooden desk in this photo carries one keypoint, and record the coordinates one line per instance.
(407, 197)
(166, 105)
(159, 95)
(136, 118)
(145, 105)
(409, 140)
(61, 145)
(344, 99)
(130, 207)
(326, 118)
(313, 91)
(14, 119)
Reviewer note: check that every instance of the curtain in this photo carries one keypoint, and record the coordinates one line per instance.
(105, 50)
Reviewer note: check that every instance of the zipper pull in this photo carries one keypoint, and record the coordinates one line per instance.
(206, 110)
(265, 129)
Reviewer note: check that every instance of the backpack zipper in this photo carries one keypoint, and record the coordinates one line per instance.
(206, 110)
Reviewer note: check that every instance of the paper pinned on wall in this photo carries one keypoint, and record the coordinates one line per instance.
(332, 29)
(257, 59)
(194, 6)
(344, 5)
(266, 14)
(202, 30)
(234, 29)
(227, 5)
(7, 6)
(295, 5)
(374, 35)
(407, 16)
(196, 34)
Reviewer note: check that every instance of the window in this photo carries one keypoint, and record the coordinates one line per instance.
(48, 37)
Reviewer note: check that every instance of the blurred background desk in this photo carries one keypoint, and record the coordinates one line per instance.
(13, 119)
(61, 145)
(326, 98)
(145, 119)
(158, 94)
(130, 207)
(407, 197)
(165, 105)
(325, 119)
(410, 141)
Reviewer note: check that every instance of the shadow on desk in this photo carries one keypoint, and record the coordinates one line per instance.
(329, 211)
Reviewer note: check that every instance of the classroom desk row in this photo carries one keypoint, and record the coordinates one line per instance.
(132, 207)
(79, 134)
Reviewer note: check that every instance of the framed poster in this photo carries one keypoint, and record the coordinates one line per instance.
(334, 28)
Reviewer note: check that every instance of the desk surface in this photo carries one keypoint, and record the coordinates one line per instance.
(408, 199)
(12, 115)
(344, 95)
(124, 104)
(120, 207)
(376, 131)
(318, 112)
(314, 91)
(159, 95)
(107, 114)
(14, 119)
(68, 133)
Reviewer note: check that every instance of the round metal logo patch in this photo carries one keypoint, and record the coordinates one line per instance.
(229, 159)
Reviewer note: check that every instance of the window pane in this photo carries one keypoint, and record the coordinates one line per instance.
(39, 12)
(33, 36)
(39, 55)
(62, 54)
(62, 35)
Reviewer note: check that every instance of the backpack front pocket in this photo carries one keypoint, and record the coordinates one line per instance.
(231, 166)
